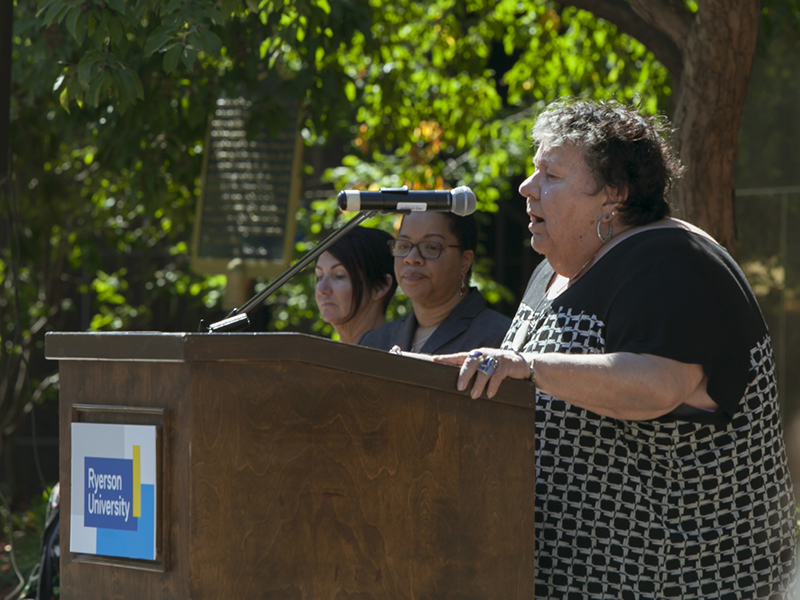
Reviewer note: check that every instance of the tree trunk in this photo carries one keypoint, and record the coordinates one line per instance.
(717, 59)
(709, 55)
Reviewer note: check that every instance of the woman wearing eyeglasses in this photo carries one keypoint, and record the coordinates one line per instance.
(433, 256)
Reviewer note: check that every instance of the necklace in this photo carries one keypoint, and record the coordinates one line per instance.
(554, 292)
(423, 340)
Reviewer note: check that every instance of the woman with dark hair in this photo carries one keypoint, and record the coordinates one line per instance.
(355, 282)
(433, 256)
(660, 464)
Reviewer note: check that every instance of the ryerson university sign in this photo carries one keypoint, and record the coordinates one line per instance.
(113, 510)
(105, 479)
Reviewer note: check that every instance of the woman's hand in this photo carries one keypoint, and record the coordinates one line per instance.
(490, 364)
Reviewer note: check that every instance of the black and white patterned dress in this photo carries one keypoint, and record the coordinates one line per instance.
(690, 505)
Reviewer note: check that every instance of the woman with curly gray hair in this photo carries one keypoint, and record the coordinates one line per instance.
(660, 469)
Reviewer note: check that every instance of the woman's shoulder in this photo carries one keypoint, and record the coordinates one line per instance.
(493, 317)
(475, 326)
(679, 250)
(475, 306)
(385, 336)
(669, 234)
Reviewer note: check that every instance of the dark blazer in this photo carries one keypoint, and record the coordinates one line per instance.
(470, 325)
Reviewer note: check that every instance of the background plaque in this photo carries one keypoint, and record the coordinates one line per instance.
(250, 193)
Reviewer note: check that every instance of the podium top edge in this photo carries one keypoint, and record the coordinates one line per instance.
(159, 346)
(187, 348)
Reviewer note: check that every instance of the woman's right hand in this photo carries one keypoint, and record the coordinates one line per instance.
(489, 366)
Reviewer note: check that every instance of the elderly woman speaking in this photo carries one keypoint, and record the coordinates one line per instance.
(660, 465)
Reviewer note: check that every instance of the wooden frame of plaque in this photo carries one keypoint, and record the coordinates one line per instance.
(135, 415)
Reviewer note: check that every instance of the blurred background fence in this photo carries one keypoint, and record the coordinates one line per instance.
(768, 220)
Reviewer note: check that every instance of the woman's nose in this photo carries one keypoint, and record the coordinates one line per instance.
(413, 257)
(530, 187)
(323, 287)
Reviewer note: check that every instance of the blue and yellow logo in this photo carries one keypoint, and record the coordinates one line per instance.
(119, 506)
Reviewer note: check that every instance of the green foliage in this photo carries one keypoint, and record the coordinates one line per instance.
(114, 36)
(102, 203)
(779, 17)
(23, 531)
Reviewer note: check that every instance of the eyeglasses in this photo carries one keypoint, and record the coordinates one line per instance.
(429, 250)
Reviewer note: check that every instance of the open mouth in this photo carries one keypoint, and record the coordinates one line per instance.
(535, 221)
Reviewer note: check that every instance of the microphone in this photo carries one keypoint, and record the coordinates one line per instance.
(460, 201)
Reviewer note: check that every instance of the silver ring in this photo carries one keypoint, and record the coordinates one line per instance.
(488, 366)
(475, 354)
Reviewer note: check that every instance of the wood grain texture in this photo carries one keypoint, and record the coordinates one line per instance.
(333, 486)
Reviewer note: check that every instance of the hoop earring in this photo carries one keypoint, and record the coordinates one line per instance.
(607, 237)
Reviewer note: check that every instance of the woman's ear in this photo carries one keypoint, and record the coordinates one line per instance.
(615, 197)
(382, 289)
(467, 258)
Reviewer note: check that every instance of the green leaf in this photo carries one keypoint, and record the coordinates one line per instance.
(117, 5)
(189, 55)
(350, 91)
(44, 6)
(171, 58)
(170, 7)
(72, 20)
(126, 84)
(115, 30)
(55, 12)
(155, 42)
(214, 16)
(138, 84)
(85, 70)
(91, 24)
(63, 13)
(211, 42)
(131, 84)
(95, 88)
(157, 39)
(63, 98)
(195, 41)
(81, 27)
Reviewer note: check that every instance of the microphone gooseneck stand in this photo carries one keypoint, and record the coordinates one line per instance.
(238, 320)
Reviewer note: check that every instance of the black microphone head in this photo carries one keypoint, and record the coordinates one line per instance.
(341, 200)
(464, 201)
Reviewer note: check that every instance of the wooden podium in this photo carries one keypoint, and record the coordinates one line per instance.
(293, 467)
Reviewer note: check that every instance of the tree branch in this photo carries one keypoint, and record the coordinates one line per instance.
(628, 21)
(668, 16)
